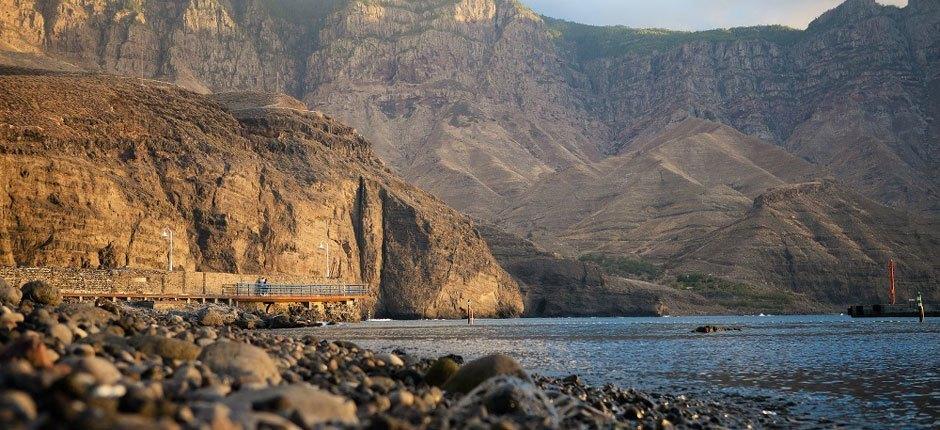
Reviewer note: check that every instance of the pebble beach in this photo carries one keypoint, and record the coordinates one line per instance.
(111, 365)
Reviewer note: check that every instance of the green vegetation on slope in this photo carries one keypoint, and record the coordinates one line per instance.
(624, 267)
(741, 297)
(592, 42)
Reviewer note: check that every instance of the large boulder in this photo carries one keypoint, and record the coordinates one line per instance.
(42, 293)
(214, 316)
(440, 371)
(9, 294)
(244, 362)
(172, 349)
(478, 371)
(301, 402)
(510, 402)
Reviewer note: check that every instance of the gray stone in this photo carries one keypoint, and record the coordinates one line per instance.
(244, 362)
(509, 398)
(61, 332)
(102, 370)
(303, 401)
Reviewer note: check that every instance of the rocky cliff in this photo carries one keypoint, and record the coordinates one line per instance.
(555, 286)
(580, 138)
(93, 168)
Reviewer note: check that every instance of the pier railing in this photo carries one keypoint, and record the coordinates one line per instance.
(257, 289)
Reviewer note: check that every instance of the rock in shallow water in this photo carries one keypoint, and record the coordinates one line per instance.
(244, 362)
(477, 371)
(714, 329)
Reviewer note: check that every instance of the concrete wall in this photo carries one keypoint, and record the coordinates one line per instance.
(140, 280)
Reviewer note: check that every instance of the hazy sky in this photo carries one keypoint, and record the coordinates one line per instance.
(689, 14)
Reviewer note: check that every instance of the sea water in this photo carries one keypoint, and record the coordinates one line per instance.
(834, 370)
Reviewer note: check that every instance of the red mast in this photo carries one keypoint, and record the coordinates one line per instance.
(891, 292)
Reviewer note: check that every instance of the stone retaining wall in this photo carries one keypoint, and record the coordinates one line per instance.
(140, 280)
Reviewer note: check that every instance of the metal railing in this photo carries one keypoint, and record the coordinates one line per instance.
(257, 289)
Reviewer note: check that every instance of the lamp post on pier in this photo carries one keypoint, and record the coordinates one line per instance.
(168, 235)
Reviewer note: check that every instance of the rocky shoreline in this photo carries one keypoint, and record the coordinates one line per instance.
(73, 365)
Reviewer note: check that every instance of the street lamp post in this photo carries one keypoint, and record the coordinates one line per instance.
(168, 235)
(326, 247)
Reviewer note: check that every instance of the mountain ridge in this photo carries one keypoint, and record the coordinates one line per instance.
(487, 105)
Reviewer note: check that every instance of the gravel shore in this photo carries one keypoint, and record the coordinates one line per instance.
(73, 365)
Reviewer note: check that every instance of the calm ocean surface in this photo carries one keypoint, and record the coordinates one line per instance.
(854, 372)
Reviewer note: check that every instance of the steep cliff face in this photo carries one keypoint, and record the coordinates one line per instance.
(466, 97)
(95, 167)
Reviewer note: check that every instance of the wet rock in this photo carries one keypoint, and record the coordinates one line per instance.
(173, 349)
(9, 294)
(42, 293)
(442, 370)
(244, 362)
(476, 372)
(301, 402)
(101, 369)
(714, 329)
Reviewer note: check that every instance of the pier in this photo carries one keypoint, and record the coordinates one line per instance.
(243, 293)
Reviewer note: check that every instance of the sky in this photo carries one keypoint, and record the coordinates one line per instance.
(689, 14)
